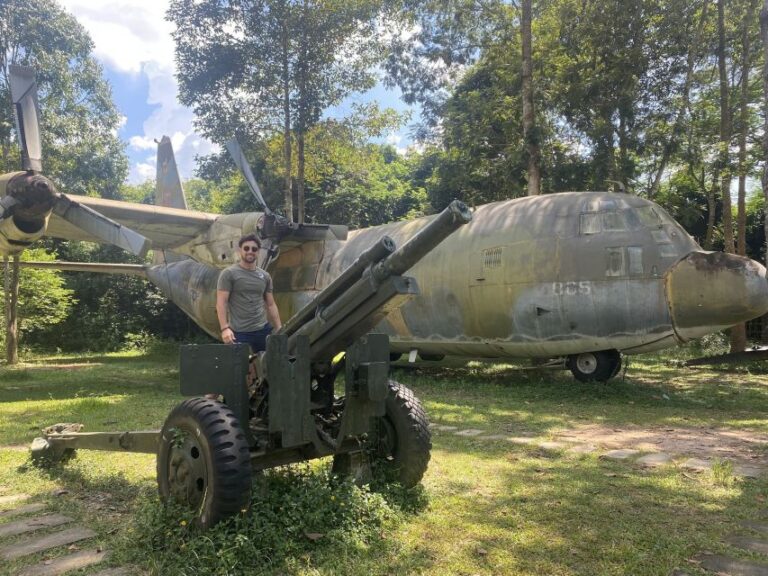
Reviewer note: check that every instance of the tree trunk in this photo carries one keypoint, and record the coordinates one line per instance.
(764, 39)
(287, 127)
(530, 134)
(746, 66)
(709, 239)
(300, 176)
(725, 132)
(739, 332)
(11, 307)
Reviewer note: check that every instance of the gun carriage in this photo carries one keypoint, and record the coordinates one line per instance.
(282, 406)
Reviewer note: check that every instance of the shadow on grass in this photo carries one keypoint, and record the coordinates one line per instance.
(502, 401)
(592, 517)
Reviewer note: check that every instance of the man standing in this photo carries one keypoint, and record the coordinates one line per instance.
(245, 305)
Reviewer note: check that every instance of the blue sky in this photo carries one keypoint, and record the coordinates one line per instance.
(133, 43)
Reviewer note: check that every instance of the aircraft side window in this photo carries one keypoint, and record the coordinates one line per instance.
(635, 254)
(614, 262)
(591, 223)
(614, 222)
(660, 237)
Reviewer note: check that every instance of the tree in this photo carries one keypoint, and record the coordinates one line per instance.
(764, 178)
(529, 126)
(258, 67)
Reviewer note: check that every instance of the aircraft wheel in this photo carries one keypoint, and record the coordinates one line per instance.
(595, 366)
(403, 438)
(203, 461)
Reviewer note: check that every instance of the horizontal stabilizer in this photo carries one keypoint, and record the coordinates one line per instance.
(99, 267)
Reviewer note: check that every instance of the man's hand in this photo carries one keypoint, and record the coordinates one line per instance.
(228, 336)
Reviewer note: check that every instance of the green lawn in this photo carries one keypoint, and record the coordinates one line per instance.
(487, 507)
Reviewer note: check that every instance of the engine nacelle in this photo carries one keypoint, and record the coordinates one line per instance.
(26, 202)
(16, 235)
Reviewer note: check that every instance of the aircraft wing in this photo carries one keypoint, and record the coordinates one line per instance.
(166, 227)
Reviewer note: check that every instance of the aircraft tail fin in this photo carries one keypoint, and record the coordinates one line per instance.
(168, 191)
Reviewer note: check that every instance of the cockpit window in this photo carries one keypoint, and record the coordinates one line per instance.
(597, 222)
(649, 217)
(590, 223)
(614, 222)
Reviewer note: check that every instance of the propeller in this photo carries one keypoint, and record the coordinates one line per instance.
(233, 147)
(24, 96)
(33, 195)
(276, 225)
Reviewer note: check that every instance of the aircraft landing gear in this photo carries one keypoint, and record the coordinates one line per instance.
(594, 366)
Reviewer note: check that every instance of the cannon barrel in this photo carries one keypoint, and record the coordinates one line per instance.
(383, 248)
(356, 307)
(454, 216)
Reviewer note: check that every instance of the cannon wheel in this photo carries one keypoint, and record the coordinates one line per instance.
(594, 366)
(203, 460)
(403, 438)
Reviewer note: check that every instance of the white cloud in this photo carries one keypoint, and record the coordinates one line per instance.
(127, 33)
(393, 139)
(142, 143)
(144, 170)
(133, 37)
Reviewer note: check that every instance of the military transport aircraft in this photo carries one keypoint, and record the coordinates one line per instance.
(584, 276)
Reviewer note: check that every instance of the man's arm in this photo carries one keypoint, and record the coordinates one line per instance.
(222, 298)
(273, 314)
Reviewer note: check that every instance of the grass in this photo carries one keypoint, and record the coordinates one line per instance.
(486, 507)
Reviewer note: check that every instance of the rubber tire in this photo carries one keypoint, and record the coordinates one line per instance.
(607, 365)
(407, 461)
(212, 428)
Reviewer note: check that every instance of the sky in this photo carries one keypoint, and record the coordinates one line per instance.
(134, 45)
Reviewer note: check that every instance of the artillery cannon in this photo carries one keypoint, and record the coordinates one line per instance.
(281, 406)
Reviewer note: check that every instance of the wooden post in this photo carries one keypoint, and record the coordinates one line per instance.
(11, 322)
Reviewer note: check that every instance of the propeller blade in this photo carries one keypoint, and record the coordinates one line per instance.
(24, 96)
(100, 226)
(237, 155)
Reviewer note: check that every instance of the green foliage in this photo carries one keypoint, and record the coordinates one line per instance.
(348, 180)
(295, 511)
(722, 473)
(44, 299)
(111, 311)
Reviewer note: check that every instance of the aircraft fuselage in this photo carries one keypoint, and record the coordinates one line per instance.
(541, 276)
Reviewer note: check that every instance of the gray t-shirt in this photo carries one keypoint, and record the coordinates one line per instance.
(247, 311)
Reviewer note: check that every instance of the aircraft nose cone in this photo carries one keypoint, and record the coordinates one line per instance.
(710, 291)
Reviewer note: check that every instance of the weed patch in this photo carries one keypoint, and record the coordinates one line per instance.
(299, 513)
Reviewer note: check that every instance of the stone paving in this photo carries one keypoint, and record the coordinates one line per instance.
(47, 544)
(645, 457)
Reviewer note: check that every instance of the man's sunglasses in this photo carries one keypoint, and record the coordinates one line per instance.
(250, 248)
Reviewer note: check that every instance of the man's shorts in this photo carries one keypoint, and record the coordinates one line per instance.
(257, 339)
